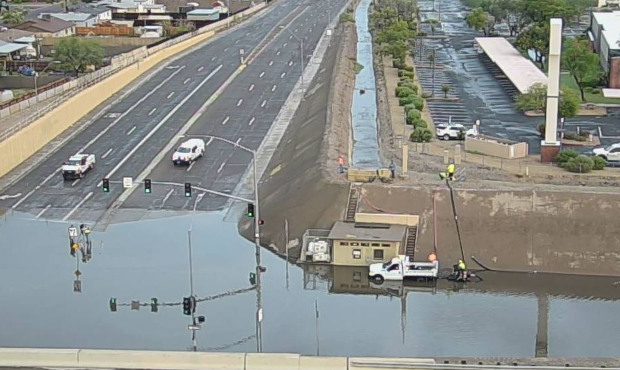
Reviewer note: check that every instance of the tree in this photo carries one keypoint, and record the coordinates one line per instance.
(13, 17)
(536, 99)
(476, 19)
(433, 23)
(535, 38)
(446, 89)
(582, 64)
(75, 54)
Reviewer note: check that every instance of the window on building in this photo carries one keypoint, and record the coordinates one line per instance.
(365, 244)
(344, 243)
(385, 245)
(376, 244)
(355, 244)
(357, 254)
(357, 276)
(378, 254)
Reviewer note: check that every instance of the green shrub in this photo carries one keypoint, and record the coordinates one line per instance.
(574, 136)
(421, 135)
(401, 92)
(422, 34)
(599, 163)
(401, 73)
(542, 128)
(412, 116)
(407, 100)
(408, 74)
(347, 17)
(418, 102)
(588, 89)
(566, 155)
(427, 95)
(409, 107)
(596, 91)
(580, 164)
(420, 123)
(408, 68)
(396, 63)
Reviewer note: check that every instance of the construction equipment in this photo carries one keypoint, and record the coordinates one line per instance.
(385, 175)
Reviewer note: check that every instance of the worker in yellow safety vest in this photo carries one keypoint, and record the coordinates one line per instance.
(451, 170)
(462, 270)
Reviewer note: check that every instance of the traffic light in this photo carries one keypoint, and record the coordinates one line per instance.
(261, 222)
(113, 304)
(187, 306)
(250, 210)
(188, 189)
(252, 278)
(153, 304)
(147, 186)
(106, 185)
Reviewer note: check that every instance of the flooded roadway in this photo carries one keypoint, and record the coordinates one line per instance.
(148, 259)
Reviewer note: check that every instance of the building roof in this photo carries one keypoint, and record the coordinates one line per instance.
(203, 12)
(7, 47)
(93, 9)
(367, 232)
(44, 25)
(71, 16)
(610, 21)
(12, 35)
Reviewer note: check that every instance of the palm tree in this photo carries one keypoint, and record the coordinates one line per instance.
(13, 17)
(446, 89)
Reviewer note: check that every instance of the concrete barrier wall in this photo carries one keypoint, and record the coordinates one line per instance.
(496, 147)
(387, 218)
(20, 146)
(24, 357)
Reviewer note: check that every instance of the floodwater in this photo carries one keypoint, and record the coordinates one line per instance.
(364, 106)
(149, 259)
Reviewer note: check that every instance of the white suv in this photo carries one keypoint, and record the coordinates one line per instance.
(610, 153)
(188, 152)
(452, 131)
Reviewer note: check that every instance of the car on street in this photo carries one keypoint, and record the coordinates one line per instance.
(609, 153)
(188, 152)
(452, 131)
(77, 166)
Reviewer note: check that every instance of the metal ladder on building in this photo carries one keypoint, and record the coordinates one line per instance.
(412, 236)
(354, 196)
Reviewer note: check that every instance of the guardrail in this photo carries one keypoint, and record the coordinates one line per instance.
(117, 63)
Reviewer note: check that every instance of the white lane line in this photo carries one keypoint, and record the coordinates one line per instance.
(252, 121)
(290, 63)
(290, 37)
(170, 95)
(310, 30)
(209, 142)
(43, 211)
(152, 111)
(286, 43)
(213, 59)
(263, 103)
(314, 24)
(201, 68)
(103, 132)
(225, 120)
(236, 41)
(283, 74)
(238, 140)
(251, 87)
(261, 75)
(161, 123)
(248, 34)
(167, 196)
(239, 102)
(278, 53)
(189, 168)
(186, 81)
(270, 62)
(107, 153)
(226, 49)
(75, 182)
(221, 167)
(295, 30)
(77, 206)
(132, 130)
(274, 88)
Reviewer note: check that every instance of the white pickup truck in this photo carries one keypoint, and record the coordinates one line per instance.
(77, 166)
(401, 268)
(188, 152)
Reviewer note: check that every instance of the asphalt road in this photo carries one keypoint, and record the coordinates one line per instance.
(134, 130)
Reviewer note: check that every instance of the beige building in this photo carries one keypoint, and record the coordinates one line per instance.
(360, 244)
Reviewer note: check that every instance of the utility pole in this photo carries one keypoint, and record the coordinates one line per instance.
(193, 327)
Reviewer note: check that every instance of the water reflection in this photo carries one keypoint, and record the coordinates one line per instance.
(148, 259)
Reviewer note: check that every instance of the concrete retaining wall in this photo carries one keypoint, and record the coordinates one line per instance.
(26, 82)
(496, 147)
(23, 357)
(20, 146)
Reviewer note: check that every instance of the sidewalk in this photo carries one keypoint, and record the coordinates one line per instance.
(17, 121)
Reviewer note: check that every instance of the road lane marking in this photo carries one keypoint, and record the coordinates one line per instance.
(162, 122)
(248, 34)
(167, 196)
(278, 53)
(290, 37)
(170, 95)
(225, 120)
(274, 88)
(189, 168)
(295, 30)
(270, 62)
(238, 140)
(283, 74)
(213, 59)
(209, 142)
(286, 43)
(263, 103)
(251, 87)
(239, 102)
(226, 49)
(107, 153)
(252, 121)
(77, 206)
(221, 167)
(290, 63)
(201, 68)
(43, 211)
(186, 81)
(261, 74)
(75, 182)
(132, 130)
(310, 30)
(236, 41)
(152, 111)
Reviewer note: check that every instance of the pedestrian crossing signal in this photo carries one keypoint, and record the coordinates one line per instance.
(250, 210)
(188, 190)
(106, 185)
(147, 186)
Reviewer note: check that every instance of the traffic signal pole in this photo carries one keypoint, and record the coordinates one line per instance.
(259, 306)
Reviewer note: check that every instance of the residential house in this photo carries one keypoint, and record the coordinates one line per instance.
(605, 36)
(52, 27)
(78, 19)
(132, 6)
(11, 51)
(360, 244)
(102, 14)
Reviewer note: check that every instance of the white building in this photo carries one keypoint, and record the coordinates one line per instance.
(133, 6)
(605, 36)
(78, 19)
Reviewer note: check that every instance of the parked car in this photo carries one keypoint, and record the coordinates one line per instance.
(77, 166)
(452, 131)
(610, 153)
(188, 152)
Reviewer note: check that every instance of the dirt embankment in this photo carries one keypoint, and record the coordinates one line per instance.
(300, 184)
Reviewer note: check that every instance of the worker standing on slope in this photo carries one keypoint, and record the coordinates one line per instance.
(462, 271)
(451, 169)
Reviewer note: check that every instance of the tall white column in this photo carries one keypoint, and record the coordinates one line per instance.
(550, 146)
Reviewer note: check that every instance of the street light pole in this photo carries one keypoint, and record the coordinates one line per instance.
(301, 56)
(191, 271)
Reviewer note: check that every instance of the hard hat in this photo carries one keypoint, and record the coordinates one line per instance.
(460, 261)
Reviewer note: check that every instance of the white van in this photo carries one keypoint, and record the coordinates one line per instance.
(188, 152)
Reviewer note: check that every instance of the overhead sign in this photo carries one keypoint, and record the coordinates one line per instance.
(127, 182)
